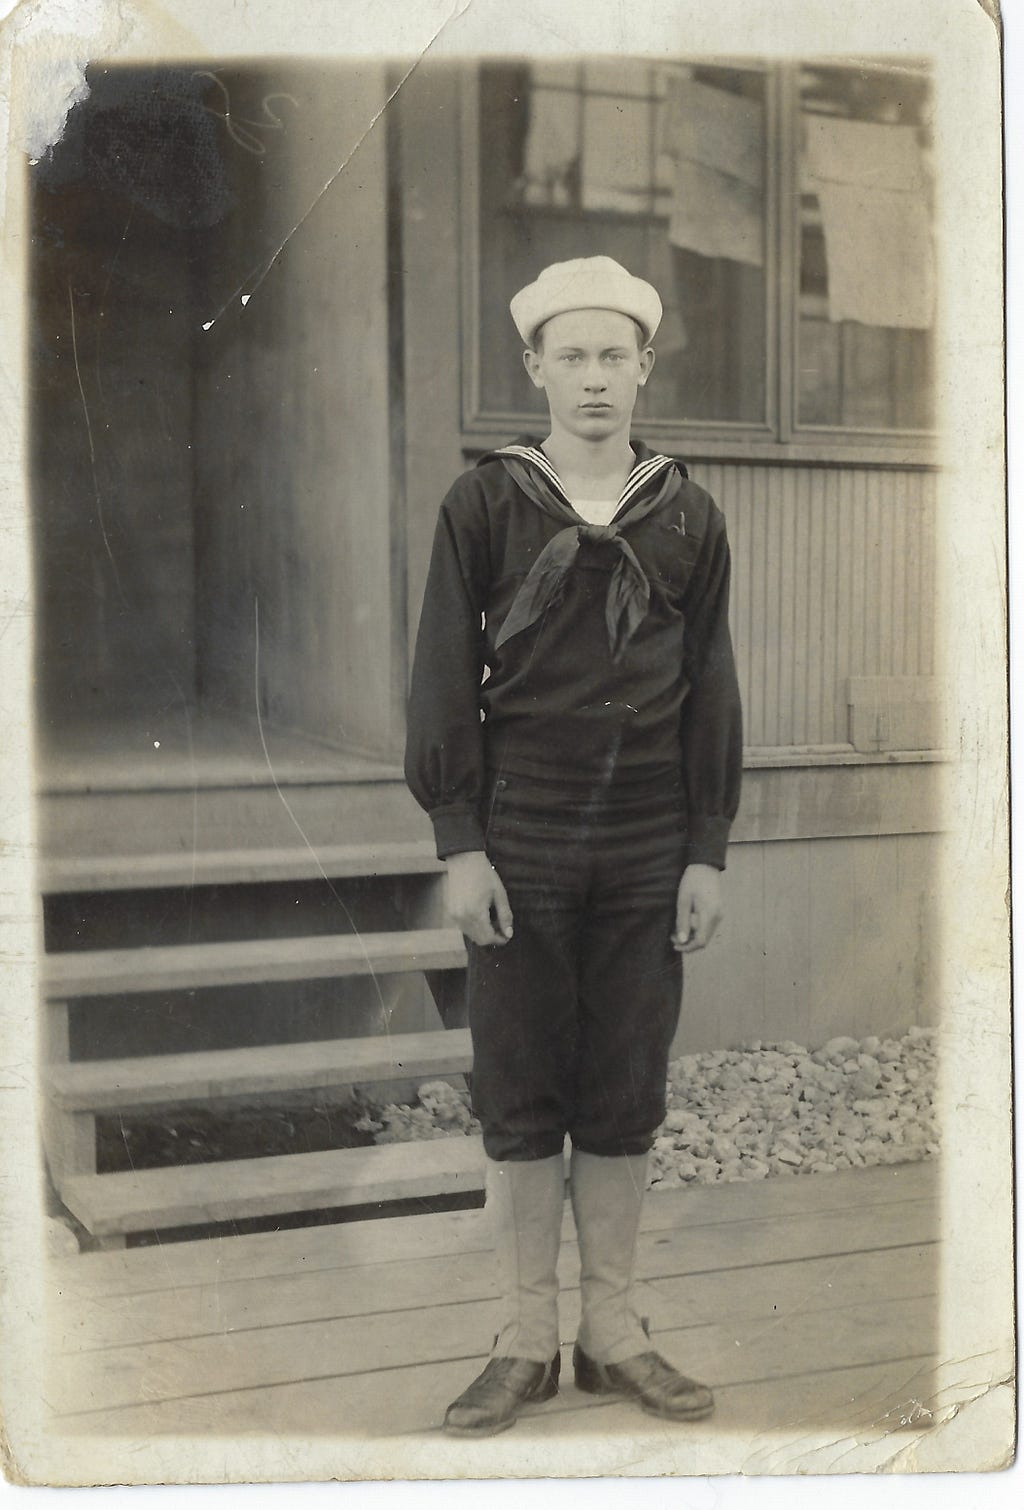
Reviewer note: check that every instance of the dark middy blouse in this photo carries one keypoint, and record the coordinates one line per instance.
(554, 702)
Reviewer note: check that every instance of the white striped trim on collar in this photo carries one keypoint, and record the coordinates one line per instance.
(537, 456)
(640, 475)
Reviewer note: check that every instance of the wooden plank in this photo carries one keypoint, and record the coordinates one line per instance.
(106, 872)
(887, 796)
(372, 810)
(777, 602)
(199, 746)
(724, 986)
(932, 609)
(68, 1139)
(411, 1401)
(149, 1199)
(746, 1351)
(808, 633)
(921, 879)
(840, 801)
(895, 713)
(848, 1406)
(787, 948)
(837, 961)
(347, 1246)
(886, 971)
(898, 548)
(877, 620)
(855, 503)
(833, 724)
(739, 516)
(108, 1084)
(707, 1281)
(111, 972)
(681, 1274)
(756, 706)
(802, 648)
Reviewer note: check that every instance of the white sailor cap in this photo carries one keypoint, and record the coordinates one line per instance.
(585, 283)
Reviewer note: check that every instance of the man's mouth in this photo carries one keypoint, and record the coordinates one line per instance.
(596, 405)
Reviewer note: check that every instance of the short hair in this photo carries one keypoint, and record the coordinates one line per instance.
(537, 343)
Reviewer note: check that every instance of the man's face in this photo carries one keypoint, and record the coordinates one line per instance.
(590, 365)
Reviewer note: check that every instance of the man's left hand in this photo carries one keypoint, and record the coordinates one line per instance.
(699, 908)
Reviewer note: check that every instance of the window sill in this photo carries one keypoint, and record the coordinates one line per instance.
(912, 454)
(774, 758)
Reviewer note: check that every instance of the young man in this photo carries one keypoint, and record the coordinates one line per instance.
(574, 734)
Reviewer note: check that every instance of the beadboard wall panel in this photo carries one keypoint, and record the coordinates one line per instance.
(833, 577)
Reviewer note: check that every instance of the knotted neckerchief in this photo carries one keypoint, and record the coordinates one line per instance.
(653, 481)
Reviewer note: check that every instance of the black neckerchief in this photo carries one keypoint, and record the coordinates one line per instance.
(654, 480)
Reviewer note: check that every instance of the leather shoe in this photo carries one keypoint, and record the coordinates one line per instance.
(650, 1380)
(494, 1399)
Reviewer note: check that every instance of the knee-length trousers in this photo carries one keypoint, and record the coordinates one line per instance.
(573, 1018)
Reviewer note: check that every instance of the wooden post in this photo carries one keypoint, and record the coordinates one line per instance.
(69, 1137)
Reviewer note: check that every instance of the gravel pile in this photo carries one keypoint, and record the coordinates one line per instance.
(776, 1108)
(441, 1112)
(747, 1113)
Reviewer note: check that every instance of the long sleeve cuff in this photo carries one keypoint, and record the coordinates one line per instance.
(707, 841)
(456, 829)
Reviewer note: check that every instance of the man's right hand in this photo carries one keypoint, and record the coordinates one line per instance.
(476, 900)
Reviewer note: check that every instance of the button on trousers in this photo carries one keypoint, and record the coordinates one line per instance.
(573, 1018)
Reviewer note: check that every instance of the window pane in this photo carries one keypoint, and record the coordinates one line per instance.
(617, 160)
(556, 74)
(617, 76)
(867, 259)
(662, 169)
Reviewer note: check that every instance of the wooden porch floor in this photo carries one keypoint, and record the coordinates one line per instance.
(184, 746)
(805, 1302)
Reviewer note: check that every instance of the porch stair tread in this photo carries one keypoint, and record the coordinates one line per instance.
(170, 1079)
(191, 1195)
(237, 866)
(111, 972)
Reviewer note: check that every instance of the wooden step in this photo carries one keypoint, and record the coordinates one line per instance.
(106, 872)
(169, 1079)
(113, 972)
(154, 1199)
(202, 820)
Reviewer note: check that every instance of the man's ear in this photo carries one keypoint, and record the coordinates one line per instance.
(646, 363)
(531, 361)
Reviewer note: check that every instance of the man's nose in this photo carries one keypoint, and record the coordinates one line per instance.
(595, 379)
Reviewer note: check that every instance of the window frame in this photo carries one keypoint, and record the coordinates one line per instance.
(780, 437)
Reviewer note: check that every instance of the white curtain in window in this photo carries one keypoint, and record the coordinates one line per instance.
(552, 146)
(717, 140)
(617, 158)
(872, 186)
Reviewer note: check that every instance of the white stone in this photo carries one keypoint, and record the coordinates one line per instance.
(841, 1046)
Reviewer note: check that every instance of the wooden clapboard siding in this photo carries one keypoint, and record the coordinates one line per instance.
(834, 577)
(820, 936)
